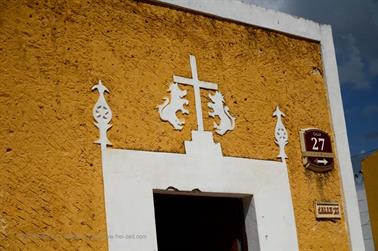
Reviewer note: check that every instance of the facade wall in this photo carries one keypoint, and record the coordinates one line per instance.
(370, 172)
(52, 53)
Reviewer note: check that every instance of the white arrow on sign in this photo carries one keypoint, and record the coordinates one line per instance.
(322, 161)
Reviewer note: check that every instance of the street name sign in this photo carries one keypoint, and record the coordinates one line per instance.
(327, 210)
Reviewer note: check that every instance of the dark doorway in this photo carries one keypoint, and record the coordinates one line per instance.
(199, 223)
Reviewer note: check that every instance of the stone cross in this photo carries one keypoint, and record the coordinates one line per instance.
(197, 85)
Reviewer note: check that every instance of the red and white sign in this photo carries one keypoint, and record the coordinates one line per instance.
(317, 150)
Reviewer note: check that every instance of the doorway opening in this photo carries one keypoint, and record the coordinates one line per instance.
(197, 221)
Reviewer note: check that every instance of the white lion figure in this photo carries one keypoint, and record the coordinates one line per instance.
(169, 108)
(227, 122)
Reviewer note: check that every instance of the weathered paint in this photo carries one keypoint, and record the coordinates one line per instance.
(51, 55)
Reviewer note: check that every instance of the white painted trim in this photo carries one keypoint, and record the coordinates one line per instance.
(251, 14)
(269, 19)
(260, 17)
(131, 176)
(281, 22)
(352, 213)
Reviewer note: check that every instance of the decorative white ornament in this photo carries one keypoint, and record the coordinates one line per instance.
(102, 114)
(197, 84)
(169, 108)
(227, 122)
(280, 134)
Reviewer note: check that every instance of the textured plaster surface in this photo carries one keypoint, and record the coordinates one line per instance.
(370, 172)
(51, 53)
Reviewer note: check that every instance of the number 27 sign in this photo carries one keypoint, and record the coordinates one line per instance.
(317, 150)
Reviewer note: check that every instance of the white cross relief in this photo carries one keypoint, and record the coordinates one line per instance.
(197, 85)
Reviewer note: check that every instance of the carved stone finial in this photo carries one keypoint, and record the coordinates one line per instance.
(281, 136)
(102, 114)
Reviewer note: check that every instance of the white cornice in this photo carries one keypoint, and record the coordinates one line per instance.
(252, 15)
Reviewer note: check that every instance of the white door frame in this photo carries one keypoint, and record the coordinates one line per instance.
(131, 176)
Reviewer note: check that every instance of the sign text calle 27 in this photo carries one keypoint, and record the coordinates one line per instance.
(327, 210)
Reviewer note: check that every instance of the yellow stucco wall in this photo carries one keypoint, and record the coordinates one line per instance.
(51, 190)
(370, 171)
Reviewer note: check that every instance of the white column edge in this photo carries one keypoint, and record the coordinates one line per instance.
(251, 14)
(352, 215)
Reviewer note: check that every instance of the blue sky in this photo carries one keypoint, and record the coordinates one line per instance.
(355, 31)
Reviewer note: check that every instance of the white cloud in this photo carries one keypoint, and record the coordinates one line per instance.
(358, 51)
(373, 8)
(352, 69)
(373, 68)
